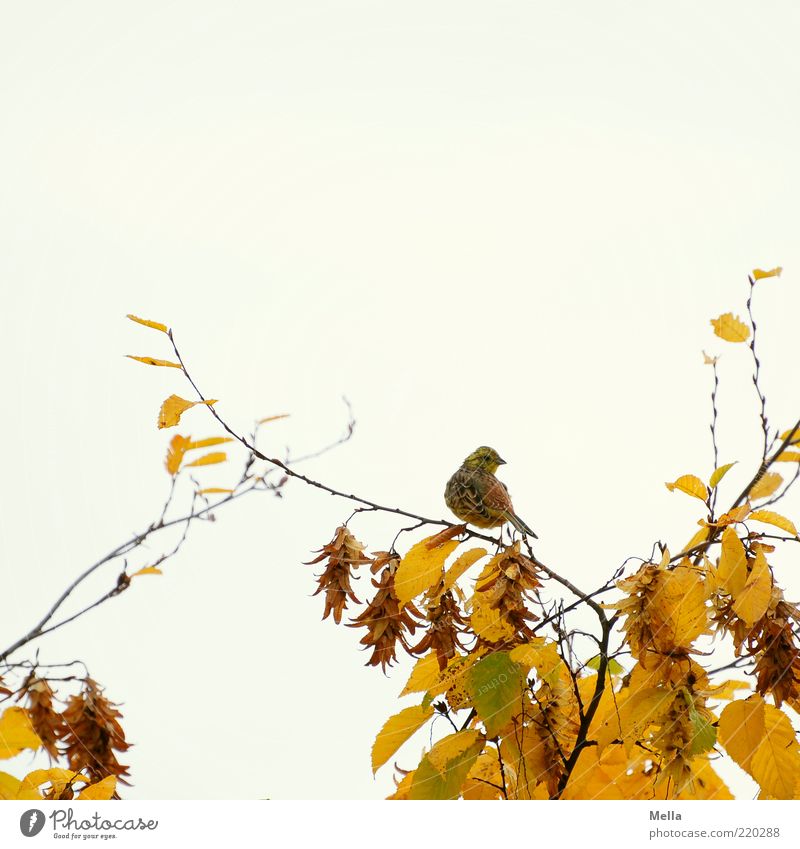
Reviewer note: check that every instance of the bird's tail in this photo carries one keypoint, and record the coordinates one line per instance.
(520, 525)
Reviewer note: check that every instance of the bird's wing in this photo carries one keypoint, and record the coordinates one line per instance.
(496, 497)
(468, 491)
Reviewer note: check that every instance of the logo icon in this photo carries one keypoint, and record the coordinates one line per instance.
(31, 822)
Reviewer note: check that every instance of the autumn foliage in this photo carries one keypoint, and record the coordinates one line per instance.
(534, 707)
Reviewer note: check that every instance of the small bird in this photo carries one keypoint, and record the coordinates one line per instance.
(475, 495)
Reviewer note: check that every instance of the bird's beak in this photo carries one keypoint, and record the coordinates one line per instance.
(501, 461)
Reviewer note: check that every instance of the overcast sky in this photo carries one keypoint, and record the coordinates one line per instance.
(504, 223)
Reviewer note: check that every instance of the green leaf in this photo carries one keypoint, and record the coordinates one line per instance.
(704, 734)
(495, 684)
(720, 473)
(614, 666)
(442, 772)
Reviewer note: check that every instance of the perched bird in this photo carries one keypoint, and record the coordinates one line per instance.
(475, 495)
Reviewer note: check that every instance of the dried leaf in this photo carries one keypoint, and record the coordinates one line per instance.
(709, 361)
(273, 418)
(443, 536)
(156, 325)
(150, 361)
(212, 490)
(730, 328)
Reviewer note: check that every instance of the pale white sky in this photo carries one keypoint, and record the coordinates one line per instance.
(503, 223)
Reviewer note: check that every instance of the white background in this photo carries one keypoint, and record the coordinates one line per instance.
(504, 223)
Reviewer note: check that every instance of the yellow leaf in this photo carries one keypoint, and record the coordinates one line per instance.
(55, 776)
(396, 730)
(640, 710)
(439, 777)
(592, 779)
(730, 328)
(766, 486)
(450, 747)
(174, 407)
(102, 790)
(207, 443)
(543, 657)
(451, 674)
(732, 569)
(149, 361)
(487, 622)
(752, 602)
(787, 457)
(726, 690)
(776, 519)
(147, 570)
(212, 490)
(16, 732)
(795, 434)
(776, 763)
(691, 485)
(700, 537)
(175, 452)
(12, 788)
(527, 654)
(273, 418)
(760, 274)
(741, 729)
(421, 568)
(720, 473)
(484, 779)
(209, 459)
(678, 611)
(156, 325)
(738, 514)
(423, 675)
(461, 564)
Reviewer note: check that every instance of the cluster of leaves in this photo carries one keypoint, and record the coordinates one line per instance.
(534, 715)
(81, 738)
(530, 717)
(83, 733)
